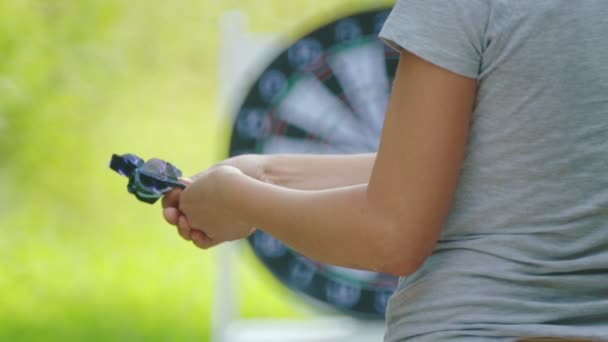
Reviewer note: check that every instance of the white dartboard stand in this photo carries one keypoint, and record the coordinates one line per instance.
(241, 56)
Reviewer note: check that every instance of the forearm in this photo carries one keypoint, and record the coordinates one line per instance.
(337, 226)
(317, 172)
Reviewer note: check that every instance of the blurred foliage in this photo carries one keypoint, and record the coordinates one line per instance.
(80, 80)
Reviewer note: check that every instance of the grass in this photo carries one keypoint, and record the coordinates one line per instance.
(80, 80)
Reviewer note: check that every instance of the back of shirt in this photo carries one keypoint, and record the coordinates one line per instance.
(524, 251)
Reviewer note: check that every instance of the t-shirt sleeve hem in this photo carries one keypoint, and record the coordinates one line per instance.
(427, 51)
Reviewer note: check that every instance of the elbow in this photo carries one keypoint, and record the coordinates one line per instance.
(402, 255)
(402, 243)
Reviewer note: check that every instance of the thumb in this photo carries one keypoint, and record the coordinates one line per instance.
(185, 180)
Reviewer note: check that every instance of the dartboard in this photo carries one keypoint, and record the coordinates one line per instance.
(326, 93)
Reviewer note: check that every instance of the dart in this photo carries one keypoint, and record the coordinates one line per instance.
(148, 181)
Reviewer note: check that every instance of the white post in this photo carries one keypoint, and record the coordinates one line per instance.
(241, 55)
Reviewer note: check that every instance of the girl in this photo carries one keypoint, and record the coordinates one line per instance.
(489, 191)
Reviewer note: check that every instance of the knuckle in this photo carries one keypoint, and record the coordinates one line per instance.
(200, 244)
(168, 216)
(184, 233)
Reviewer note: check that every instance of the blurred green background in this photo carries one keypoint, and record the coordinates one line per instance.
(79, 80)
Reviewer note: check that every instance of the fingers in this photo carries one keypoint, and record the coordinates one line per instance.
(198, 237)
(183, 228)
(201, 240)
(170, 203)
(171, 215)
(171, 198)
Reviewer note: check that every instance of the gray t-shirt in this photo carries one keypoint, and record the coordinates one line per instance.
(524, 250)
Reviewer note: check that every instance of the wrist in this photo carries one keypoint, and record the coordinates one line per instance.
(224, 180)
(276, 169)
(265, 168)
(252, 165)
(235, 192)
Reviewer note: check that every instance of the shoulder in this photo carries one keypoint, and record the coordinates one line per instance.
(451, 34)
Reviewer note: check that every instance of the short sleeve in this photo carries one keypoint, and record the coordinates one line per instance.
(447, 33)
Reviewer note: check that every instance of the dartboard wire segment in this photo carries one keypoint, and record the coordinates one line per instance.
(326, 93)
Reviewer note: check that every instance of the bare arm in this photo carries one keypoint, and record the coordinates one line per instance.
(389, 225)
(317, 172)
(306, 171)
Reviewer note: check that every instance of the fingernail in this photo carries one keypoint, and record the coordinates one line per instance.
(185, 179)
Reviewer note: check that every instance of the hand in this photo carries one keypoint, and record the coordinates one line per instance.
(173, 216)
(198, 213)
